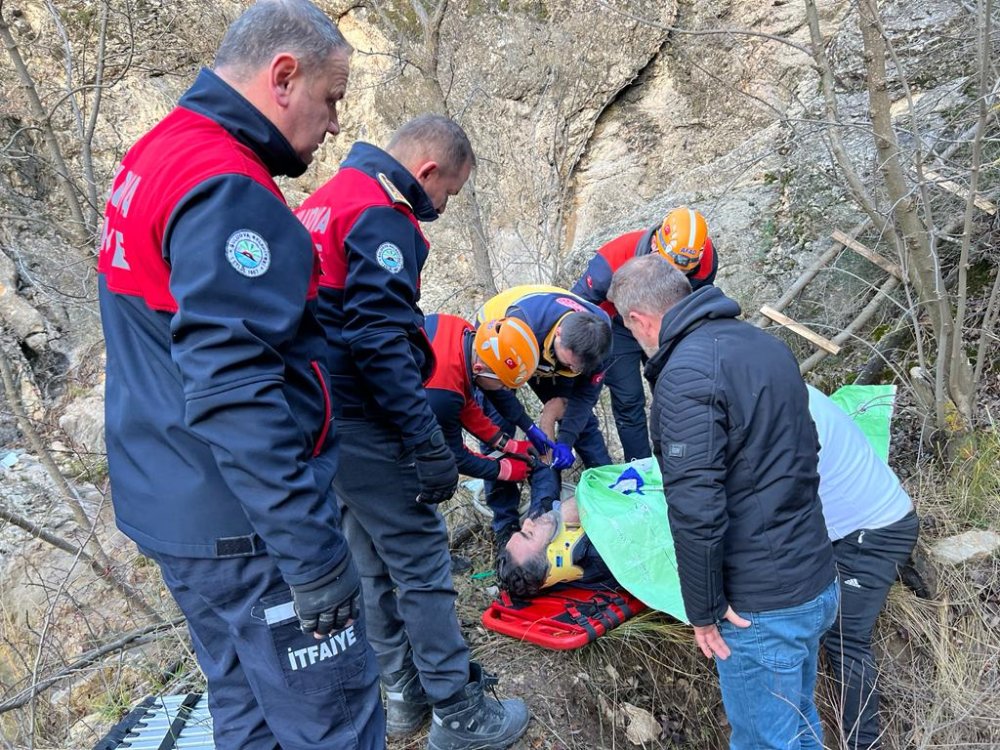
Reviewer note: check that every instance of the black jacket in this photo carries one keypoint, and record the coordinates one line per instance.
(738, 451)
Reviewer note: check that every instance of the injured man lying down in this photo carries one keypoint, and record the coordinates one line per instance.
(613, 533)
(551, 548)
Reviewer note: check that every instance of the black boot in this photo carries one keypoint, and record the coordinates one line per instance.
(406, 705)
(476, 721)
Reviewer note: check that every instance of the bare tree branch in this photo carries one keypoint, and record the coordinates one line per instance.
(958, 350)
(78, 231)
(130, 640)
(101, 564)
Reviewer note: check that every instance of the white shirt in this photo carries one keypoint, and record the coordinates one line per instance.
(857, 488)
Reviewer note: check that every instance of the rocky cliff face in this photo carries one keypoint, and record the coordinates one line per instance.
(588, 119)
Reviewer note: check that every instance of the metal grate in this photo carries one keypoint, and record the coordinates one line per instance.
(164, 723)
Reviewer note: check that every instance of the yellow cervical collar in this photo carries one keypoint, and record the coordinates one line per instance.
(560, 555)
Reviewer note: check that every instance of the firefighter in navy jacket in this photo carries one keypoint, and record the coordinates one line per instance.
(574, 337)
(682, 240)
(395, 464)
(217, 407)
(546, 310)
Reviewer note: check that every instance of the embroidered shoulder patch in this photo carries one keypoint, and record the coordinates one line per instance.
(248, 253)
(389, 257)
(572, 304)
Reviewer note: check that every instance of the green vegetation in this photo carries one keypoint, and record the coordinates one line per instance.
(975, 486)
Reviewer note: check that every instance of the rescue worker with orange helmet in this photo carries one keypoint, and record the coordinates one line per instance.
(500, 354)
(574, 339)
(682, 240)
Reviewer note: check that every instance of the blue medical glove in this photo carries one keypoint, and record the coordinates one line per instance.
(562, 456)
(539, 439)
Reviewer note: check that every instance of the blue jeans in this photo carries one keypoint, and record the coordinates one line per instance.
(769, 679)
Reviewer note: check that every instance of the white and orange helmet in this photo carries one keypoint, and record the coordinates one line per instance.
(509, 349)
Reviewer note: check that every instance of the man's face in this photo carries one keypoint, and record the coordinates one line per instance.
(646, 329)
(566, 357)
(483, 376)
(440, 183)
(534, 536)
(312, 106)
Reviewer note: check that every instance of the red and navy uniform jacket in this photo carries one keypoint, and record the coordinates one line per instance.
(593, 285)
(542, 311)
(217, 410)
(449, 392)
(365, 223)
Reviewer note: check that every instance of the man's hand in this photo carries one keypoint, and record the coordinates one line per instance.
(539, 439)
(562, 456)
(330, 603)
(709, 639)
(436, 469)
(514, 469)
(521, 447)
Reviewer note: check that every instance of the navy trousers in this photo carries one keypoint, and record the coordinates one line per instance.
(868, 561)
(628, 399)
(401, 549)
(270, 684)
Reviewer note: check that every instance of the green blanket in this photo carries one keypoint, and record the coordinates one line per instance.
(624, 512)
(870, 406)
(630, 530)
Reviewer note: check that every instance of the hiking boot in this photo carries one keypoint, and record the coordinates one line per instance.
(406, 705)
(477, 721)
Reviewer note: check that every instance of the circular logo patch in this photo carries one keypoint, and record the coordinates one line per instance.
(389, 257)
(248, 253)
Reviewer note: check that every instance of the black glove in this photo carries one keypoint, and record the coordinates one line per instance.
(328, 604)
(436, 469)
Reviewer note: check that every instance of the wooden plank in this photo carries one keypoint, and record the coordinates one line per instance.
(808, 275)
(953, 187)
(862, 318)
(800, 329)
(886, 265)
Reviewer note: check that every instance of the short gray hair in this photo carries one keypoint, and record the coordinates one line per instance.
(647, 284)
(433, 135)
(269, 27)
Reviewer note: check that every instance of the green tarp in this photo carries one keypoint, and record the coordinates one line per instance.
(624, 512)
(870, 406)
(630, 530)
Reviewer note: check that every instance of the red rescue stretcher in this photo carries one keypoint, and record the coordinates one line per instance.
(563, 618)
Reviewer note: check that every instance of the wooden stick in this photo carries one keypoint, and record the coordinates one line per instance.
(800, 329)
(886, 265)
(863, 317)
(961, 192)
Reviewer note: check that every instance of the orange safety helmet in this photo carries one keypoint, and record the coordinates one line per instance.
(509, 349)
(681, 238)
